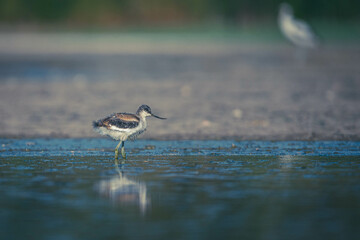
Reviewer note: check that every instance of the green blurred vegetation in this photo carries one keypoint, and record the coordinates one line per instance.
(153, 12)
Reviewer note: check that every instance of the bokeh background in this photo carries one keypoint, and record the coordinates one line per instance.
(117, 13)
(215, 68)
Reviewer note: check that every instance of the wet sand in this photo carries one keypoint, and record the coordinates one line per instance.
(55, 87)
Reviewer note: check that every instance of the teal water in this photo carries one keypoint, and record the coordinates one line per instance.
(72, 189)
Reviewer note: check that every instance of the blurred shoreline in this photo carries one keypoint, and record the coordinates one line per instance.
(245, 86)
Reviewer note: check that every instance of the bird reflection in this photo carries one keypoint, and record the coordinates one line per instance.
(123, 191)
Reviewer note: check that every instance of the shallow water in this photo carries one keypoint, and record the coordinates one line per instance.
(72, 189)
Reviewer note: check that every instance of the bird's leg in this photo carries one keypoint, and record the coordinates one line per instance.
(117, 150)
(300, 56)
(123, 150)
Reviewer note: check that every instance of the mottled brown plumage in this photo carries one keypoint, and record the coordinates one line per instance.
(121, 126)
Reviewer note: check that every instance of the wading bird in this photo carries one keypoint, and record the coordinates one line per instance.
(123, 126)
(296, 31)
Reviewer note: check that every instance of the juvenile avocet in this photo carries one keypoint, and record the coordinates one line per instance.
(123, 126)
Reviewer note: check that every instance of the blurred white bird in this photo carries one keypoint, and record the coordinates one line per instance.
(295, 30)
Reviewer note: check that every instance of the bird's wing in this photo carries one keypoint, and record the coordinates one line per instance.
(304, 28)
(120, 121)
(300, 33)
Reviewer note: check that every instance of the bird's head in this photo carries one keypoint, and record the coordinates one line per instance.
(145, 111)
(285, 9)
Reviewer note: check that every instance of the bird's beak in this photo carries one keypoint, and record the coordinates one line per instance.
(157, 116)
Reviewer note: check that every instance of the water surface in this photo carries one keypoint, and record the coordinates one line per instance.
(72, 189)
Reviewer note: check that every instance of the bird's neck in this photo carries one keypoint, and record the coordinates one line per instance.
(143, 120)
(285, 16)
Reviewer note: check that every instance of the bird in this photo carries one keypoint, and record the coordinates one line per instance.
(296, 31)
(123, 126)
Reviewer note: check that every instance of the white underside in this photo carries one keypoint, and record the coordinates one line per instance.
(122, 133)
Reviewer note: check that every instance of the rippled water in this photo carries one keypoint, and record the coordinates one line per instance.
(73, 189)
